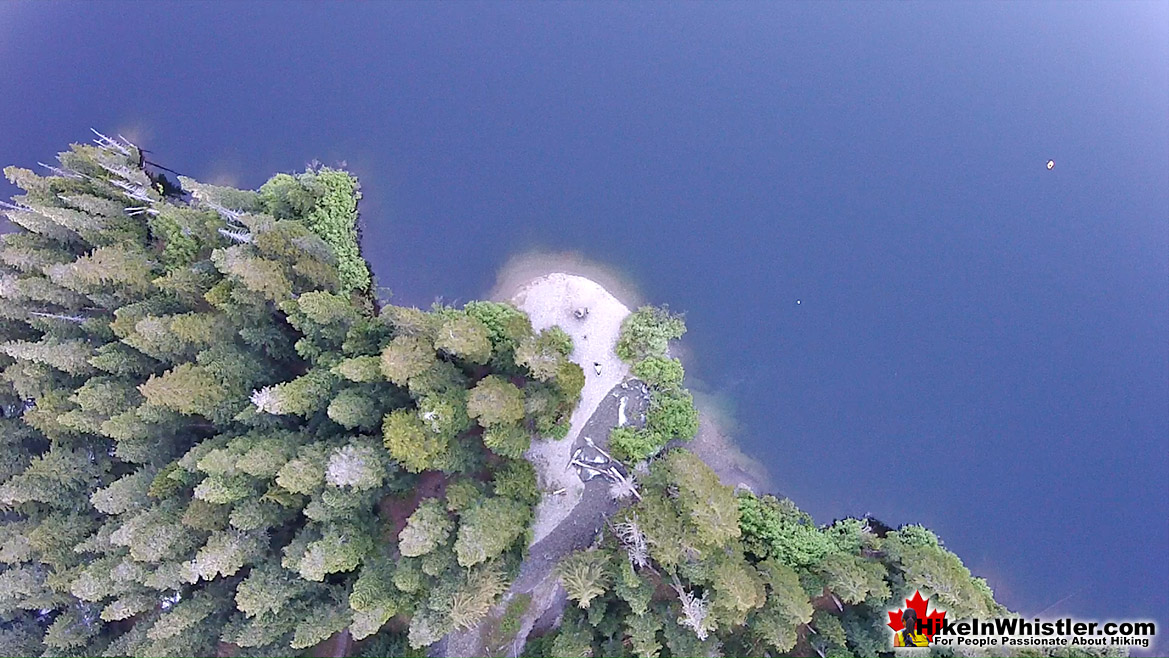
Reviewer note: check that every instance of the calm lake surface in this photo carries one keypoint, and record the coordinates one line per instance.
(903, 310)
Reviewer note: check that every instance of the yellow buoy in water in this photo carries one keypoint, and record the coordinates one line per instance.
(1050, 164)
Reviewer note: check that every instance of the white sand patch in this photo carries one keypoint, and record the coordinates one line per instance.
(552, 300)
(522, 269)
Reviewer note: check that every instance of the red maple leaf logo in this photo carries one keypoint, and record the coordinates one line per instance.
(930, 623)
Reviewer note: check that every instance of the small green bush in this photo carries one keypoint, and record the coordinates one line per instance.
(509, 624)
(630, 444)
(672, 414)
(659, 372)
(647, 332)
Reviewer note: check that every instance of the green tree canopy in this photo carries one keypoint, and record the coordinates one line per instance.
(488, 528)
(188, 379)
(428, 527)
(495, 401)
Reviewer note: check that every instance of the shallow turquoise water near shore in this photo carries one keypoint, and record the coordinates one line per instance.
(980, 342)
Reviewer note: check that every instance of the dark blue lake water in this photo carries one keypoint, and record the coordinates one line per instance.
(908, 314)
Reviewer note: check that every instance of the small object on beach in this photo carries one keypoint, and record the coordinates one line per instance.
(1050, 165)
(581, 313)
(559, 492)
(597, 367)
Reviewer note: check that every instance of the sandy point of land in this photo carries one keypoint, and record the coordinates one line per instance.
(522, 269)
(553, 300)
(550, 288)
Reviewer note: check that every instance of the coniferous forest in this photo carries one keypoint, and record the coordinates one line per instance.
(211, 437)
(217, 442)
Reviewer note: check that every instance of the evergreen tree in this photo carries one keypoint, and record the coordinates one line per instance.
(426, 529)
(506, 328)
(411, 443)
(507, 440)
(777, 528)
(359, 464)
(647, 332)
(488, 528)
(374, 598)
(542, 354)
(738, 590)
(659, 372)
(584, 575)
(470, 602)
(465, 337)
(642, 631)
(853, 578)
(406, 357)
(495, 401)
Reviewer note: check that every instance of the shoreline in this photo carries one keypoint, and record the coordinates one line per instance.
(719, 451)
(521, 269)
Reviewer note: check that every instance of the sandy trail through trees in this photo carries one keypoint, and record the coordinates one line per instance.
(553, 300)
